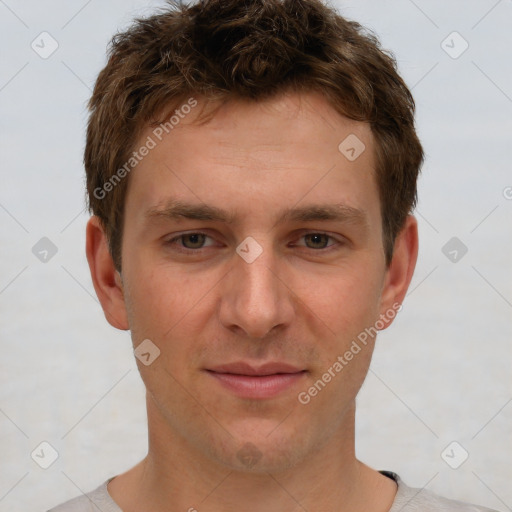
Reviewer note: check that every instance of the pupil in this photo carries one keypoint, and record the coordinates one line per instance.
(194, 238)
(315, 238)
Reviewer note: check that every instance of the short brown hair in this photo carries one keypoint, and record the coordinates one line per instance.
(252, 49)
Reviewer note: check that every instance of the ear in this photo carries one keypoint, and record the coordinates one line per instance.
(106, 279)
(400, 270)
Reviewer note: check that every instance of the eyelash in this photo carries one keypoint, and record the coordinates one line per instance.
(173, 242)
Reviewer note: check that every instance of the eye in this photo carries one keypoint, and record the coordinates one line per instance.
(189, 241)
(193, 242)
(318, 240)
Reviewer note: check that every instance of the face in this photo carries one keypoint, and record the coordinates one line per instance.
(252, 258)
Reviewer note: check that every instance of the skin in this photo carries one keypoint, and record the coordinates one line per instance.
(302, 301)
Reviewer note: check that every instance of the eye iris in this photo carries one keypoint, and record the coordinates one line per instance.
(318, 239)
(197, 240)
(193, 237)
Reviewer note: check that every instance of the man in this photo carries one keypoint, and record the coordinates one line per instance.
(251, 167)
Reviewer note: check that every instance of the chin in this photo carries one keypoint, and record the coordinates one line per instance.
(263, 450)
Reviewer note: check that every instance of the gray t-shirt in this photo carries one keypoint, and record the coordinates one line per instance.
(407, 499)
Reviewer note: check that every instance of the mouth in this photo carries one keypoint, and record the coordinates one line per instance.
(266, 381)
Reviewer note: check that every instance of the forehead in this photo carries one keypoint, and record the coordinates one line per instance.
(242, 124)
(252, 123)
(290, 149)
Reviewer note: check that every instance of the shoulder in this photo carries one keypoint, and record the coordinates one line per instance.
(409, 499)
(98, 499)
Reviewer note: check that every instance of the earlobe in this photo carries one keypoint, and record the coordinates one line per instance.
(400, 271)
(106, 279)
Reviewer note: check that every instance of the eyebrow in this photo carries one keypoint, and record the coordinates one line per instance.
(176, 209)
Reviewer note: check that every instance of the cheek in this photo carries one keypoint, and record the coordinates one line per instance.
(161, 312)
(155, 301)
(346, 302)
(170, 308)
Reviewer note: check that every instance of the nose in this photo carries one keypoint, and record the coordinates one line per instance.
(255, 298)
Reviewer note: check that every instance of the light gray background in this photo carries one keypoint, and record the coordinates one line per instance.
(441, 373)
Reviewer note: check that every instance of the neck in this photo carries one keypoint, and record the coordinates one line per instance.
(176, 476)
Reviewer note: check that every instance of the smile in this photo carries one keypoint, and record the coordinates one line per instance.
(257, 386)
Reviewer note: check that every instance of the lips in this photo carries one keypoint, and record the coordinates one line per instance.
(257, 382)
(241, 368)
